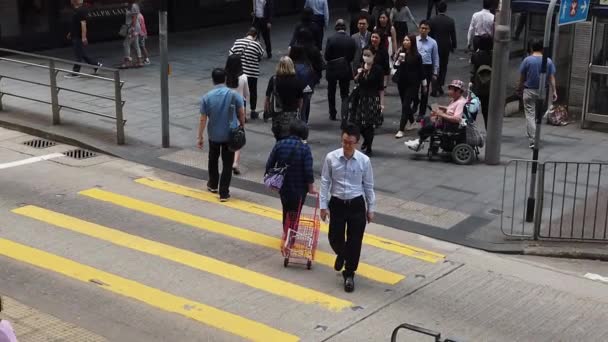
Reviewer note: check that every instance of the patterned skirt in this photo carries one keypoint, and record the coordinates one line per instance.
(366, 111)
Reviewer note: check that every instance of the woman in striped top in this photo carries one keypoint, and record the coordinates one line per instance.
(251, 53)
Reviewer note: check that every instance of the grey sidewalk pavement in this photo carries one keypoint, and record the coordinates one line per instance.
(435, 198)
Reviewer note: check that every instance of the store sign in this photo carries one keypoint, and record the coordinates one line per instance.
(573, 11)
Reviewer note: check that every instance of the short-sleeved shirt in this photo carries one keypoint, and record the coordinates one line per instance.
(530, 68)
(80, 14)
(221, 105)
(290, 90)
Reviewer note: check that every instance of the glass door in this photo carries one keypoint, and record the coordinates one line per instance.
(596, 95)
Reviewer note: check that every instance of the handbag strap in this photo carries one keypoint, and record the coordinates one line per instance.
(232, 105)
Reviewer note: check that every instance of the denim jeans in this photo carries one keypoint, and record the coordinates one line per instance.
(80, 54)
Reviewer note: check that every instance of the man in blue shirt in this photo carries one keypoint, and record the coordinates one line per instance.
(347, 186)
(219, 107)
(320, 17)
(428, 49)
(529, 81)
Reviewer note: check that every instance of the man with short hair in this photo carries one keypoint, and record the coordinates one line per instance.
(362, 40)
(78, 36)
(428, 49)
(482, 23)
(443, 117)
(320, 17)
(251, 52)
(339, 54)
(443, 30)
(347, 187)
(221, 111)
(262, 18)
(529, 81)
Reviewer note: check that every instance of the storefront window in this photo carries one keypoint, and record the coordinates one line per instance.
(22, 17)
(598, 85)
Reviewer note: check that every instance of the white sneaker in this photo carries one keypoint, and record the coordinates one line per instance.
(414, 145)
(413, 126)
(399, 135)
(147, 61)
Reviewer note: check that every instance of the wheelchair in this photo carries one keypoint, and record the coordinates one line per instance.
(452, 140)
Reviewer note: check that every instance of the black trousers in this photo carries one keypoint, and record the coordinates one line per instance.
(331, 95)
(261, 24)
(444, 58)
(424, 95)
(368, 133)
(485, 104)
(291, 203)
(252, 82)
(402, 30)
(427, 128)
(354, 20)
(80, 53)
(430, 5)
(319, 20)
(408, 95)
(347, 222)
(215, 151)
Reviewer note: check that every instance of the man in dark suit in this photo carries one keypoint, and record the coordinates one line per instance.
(262, 18)
(354, 9)
(430, 5)
(339, 54)
(443, 30)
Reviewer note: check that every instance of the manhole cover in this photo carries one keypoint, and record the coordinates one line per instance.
(39, 143)
(80, 154)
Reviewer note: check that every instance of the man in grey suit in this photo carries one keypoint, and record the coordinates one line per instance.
(362, 38)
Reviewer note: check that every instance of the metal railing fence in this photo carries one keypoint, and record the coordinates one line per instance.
(56, 90)
(570, 201)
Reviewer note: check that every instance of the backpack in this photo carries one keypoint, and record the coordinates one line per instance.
(483, 79)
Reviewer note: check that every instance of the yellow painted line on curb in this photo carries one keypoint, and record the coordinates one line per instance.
(209, 315)
(257, 209)
(219, 268)
(365, 270)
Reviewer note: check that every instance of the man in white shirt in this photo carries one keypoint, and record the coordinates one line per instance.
(320, 10)
(482, 23)
(347, 186)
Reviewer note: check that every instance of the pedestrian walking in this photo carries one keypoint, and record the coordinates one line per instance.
(262, 20)
(143, 34)
(293, 153)
(379, 7)
(388, 34)
(429, 9)
(7, 334)
(320, 17)
(347, 197)
(382, 58)
(482, 23)
(133, 31)
(443, 30)
(366, 11)
(237, 81)
(400, 15)
(304, 38)
(354, 10)
(481, 74)
(305, 74)
(306, 23)
(251, 53)
(222, 110)
(339, 53)
(367, 112)
(362, 39)
(428, 49)
(78, 36)
(529, 81)
(289, 91)
(410, 76)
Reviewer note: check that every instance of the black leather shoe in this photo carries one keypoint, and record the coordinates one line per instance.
(349, 284)
(339, 264)
(332, 117)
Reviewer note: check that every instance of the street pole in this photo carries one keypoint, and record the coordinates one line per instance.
(164, 72)
(500, 77)
(541, 107)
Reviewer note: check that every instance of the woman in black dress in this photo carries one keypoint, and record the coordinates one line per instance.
(289, 90)
(382, 59)
(367, 112)
(410, 75)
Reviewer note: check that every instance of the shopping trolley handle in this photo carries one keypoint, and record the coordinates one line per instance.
(421, 330)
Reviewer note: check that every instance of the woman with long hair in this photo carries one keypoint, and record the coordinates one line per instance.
(289, 91)
(382, 60)
(237, 80)
(410, 75)
(400, 15)
(367, 112)
(387, 32)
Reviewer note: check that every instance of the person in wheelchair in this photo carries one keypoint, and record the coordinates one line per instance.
(444, 118)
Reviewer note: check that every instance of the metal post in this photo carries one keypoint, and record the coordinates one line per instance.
(164, 75)
(500, 76)
(54, 93)
(120, 124)
(539, 204)
(1, 94)
(541, 106)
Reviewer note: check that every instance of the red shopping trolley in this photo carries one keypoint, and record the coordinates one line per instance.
(300, 236)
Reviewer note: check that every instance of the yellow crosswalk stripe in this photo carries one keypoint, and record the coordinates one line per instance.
(258, 209)
(228, 271)
(234, 324)
(365, 270)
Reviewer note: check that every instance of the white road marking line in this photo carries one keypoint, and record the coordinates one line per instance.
(31, 160)
(597, 277)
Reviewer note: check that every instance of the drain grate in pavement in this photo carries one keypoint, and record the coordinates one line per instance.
(39, 143)
(80, 154)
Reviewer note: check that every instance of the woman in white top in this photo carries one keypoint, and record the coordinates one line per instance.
(235, 79)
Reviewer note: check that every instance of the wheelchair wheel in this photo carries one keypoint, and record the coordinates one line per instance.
(463, 154)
